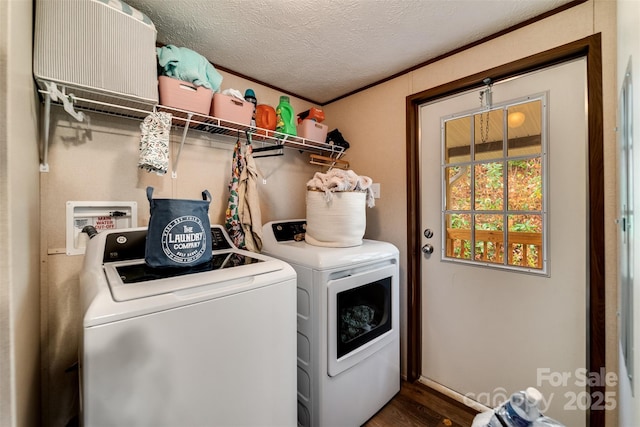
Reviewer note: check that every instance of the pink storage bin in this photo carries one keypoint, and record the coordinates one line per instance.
(226, 107)
(312, 130)
(183, 95)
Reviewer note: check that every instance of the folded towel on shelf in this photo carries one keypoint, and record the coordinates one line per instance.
(154, 143)
(341, 180)
(185, 64)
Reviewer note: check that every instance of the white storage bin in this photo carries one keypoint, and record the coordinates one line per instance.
(97, 51)
(337, 223)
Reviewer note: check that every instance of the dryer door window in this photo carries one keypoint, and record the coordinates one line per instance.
(360, 317)
(363, 314)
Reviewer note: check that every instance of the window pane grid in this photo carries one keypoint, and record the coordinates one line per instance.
(493, 205)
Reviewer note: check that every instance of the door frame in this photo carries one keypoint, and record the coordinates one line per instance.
(589, 48)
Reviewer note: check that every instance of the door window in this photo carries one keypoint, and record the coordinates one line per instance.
(493, 171)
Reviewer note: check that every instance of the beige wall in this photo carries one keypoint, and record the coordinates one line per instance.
(19, 222)
(374, 122)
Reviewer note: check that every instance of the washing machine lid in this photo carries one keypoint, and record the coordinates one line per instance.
(134, 279)
(284, 240)
(129, 277)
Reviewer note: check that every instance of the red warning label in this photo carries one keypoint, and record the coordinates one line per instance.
(105, 223)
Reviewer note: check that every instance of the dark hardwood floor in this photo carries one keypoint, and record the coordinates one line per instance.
(419, 406)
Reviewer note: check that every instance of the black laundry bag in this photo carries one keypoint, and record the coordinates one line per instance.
(179, 233)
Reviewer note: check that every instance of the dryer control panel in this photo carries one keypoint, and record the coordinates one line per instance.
(291, 230)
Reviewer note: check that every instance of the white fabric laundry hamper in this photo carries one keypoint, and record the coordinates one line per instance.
(338, 220)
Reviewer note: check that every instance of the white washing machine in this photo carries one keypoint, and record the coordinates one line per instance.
(348, 325)
(212, 345)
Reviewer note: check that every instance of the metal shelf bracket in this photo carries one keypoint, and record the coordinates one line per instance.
(174, 169)
(54, 94)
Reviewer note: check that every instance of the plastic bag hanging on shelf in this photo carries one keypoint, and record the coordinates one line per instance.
(154, 143)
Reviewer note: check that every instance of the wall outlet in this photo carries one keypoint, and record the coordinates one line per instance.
(375, 187)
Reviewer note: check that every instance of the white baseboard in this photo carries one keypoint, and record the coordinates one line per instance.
(454, 395)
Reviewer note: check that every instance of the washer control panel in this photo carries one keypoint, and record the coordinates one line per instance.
(127, 245)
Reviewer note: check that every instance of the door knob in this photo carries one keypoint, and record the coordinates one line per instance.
(427, 249)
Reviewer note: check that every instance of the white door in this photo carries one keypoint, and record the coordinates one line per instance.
(489, 328)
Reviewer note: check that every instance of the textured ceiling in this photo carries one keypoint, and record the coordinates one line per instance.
(321, 49)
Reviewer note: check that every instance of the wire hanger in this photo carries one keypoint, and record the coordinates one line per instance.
(264, 149)
(269, 148)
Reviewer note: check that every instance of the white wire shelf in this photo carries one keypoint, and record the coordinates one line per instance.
(216, 125)
(56, 94)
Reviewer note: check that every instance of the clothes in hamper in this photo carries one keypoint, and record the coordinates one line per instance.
(341, 180)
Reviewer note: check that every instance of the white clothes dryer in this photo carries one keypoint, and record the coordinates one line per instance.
(211, 345)
(348, 325)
